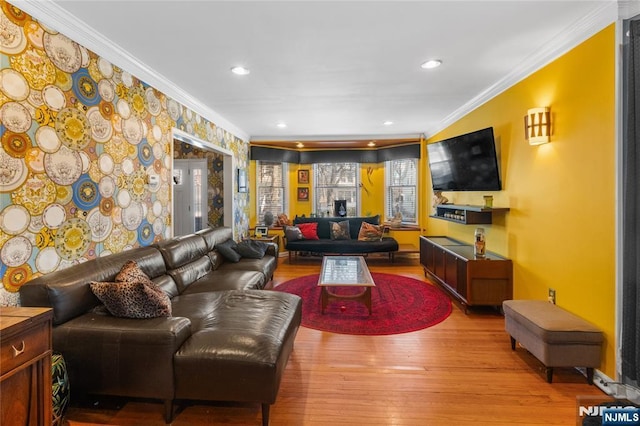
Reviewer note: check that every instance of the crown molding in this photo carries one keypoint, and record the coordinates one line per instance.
(628, 9)
(575, 34)
(336, 138)
(54, 16)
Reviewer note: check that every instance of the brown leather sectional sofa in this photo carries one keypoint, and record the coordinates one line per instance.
(227, 338)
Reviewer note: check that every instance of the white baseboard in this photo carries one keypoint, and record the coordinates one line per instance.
(602, 381)
(615, 389)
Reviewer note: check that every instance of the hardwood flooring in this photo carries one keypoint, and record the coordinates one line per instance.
(459, 372)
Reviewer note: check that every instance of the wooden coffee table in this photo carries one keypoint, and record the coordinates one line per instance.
(345, 271)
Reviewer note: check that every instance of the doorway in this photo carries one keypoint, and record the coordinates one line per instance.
(190, 195)
(224, 187)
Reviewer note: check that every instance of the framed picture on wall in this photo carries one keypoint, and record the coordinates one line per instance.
(242, 180)
(303, 176)
(303, 194)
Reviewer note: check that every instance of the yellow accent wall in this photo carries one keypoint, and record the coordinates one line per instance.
(299, 207)
(372, 190)
(560, 231)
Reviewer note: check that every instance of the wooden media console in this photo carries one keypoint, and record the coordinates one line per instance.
(472, 281)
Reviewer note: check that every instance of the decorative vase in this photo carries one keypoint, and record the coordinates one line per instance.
(438, 199)
(60, 388)
(479, 243)
(268, 218)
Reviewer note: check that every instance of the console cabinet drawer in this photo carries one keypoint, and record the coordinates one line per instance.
(22, 348)
(25, 366)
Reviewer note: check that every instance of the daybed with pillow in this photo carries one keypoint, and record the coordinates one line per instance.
(172, 321)
(337, 235)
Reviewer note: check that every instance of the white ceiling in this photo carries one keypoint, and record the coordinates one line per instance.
(328, 69)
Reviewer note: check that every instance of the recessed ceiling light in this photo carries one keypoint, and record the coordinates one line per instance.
(371, 143)
(240, 70)
(432, 63)
(388, 123)
(281, 125)
(300, 145)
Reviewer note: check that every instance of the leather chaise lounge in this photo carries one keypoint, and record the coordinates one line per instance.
(226, 340)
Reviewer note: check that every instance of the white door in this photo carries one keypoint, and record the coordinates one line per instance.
(190, 205)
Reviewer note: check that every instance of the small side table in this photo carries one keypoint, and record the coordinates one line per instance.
(268, 239)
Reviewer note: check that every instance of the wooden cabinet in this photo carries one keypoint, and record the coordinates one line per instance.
(25, 366)
(467, 214)
(473, 281)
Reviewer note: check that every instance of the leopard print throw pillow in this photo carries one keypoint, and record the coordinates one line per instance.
(133, 295)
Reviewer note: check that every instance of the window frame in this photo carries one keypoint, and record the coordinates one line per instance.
(284, 188)
(317, 189)
(389, 186)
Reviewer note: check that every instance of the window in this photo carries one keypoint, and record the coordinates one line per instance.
(335, 181)
(270, 185)
(401, 195)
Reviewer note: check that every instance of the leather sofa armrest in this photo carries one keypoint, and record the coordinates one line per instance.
(272, 249)
(121, 356)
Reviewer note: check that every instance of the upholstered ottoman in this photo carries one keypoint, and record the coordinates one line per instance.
(239, 346)
(555, 336)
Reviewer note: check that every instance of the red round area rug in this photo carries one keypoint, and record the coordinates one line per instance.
(399, 305)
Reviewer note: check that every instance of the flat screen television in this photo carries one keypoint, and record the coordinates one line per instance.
(465, 163)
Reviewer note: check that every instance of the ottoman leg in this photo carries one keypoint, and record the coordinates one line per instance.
(513, 343)
(590, 375)
(265, 414)
(549, 374)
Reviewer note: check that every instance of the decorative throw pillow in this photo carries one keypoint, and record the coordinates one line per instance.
(293, 233)
(252, 249)
(369, 232)
(131, 272)
(133, 295)
(309, 230)
(228, 250)
(130, 300)
(340, 230)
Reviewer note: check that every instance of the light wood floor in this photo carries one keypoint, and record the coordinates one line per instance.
(459, 372)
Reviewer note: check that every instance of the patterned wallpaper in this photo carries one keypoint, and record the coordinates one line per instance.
(79, 139)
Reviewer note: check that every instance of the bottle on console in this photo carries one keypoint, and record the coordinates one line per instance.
(479, 243)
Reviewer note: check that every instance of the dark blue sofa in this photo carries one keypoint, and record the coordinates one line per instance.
(325, 245)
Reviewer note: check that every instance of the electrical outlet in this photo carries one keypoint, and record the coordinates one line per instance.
(552, 296)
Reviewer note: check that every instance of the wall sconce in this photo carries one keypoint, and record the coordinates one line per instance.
(537, 125)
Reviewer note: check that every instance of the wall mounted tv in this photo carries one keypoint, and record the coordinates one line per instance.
(465, 163)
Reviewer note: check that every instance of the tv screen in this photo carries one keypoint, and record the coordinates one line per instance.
(465, 163)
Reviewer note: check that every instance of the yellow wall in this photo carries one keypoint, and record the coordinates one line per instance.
(372, 192)
(299, 207)
(560, 231)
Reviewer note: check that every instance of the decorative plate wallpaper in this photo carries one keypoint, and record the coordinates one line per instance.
(79, 139)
